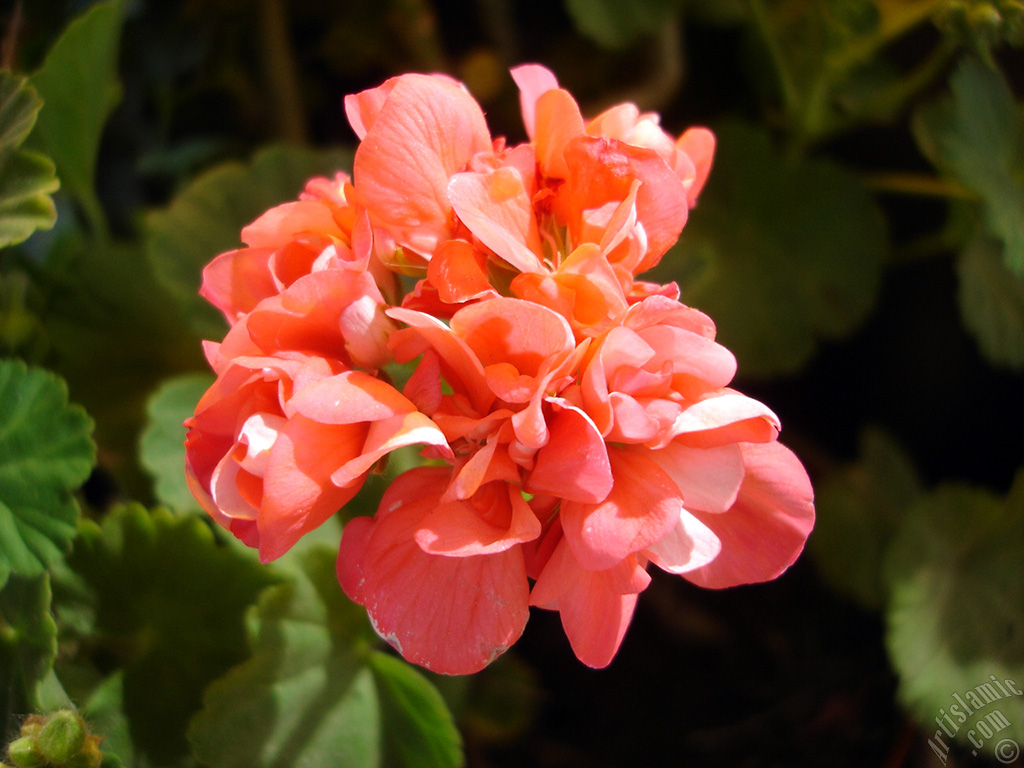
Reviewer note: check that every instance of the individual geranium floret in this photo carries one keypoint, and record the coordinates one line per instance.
(416, 131)
(321, 230)
(278, 444)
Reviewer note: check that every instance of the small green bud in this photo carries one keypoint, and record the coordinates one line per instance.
(25, 753)
(62, 737)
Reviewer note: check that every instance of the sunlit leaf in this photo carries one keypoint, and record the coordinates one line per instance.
(779, 253)
(306, 697)
(955, 620)
(170, 603)
(28, 644)
(45, 454)
(206, 218)
(26, 178)
(859, 509)
(316, 693)
(992, 302)
(79, 85)
(162, 444)
(976, 134)
(418, 729)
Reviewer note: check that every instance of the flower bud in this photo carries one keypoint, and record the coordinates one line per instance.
(62, 737)
(25, 753)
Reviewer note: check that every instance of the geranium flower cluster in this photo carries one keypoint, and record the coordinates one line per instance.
(576, 423)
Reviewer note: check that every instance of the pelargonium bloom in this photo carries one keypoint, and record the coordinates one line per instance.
(577, 423)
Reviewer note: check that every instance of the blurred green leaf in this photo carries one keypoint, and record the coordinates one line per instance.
(45, 454)
(956, 612)
(306, 697)
(614, 24)
(162, 443)
(779, 253)
(859, 510)
(976, 135)
(80, 88)
(418, 729)
(992, 302)
(116, 334)
(170, 604)
(26, 178)
(28, 644)
(207, 217)
(105, 713)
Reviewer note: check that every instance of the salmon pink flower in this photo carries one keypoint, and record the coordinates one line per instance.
(578, 424)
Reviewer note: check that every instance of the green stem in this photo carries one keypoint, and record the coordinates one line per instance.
(282, 73)
(790, 96)
(917, 184)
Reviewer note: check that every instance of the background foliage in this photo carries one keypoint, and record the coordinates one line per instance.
(860, 245)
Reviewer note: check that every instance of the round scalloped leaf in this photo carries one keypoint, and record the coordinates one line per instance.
(28, 643)
(955, 622)
(992, 302)
(859, 510)
(162, 443)
(976, 134)
(174, 599)
(26, 178)
(315, 693)
(46, 453)
(780, 253)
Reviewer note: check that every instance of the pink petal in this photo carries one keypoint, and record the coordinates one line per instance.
(236, 281)
(595, 606)
(453, 615)
(497, 209)
(533, 81)
(427, 130)
(468, 527)
(689, 545)
(558, 122)
(726, 418)
(574, 463)
(298, 495)
(708, 478)
(766, 529)
(349, 398)
(387, 435)
(642, 507)
(699, 145)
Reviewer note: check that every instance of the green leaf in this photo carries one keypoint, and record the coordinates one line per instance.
(976, 134)
(170, 604)
(992, 302)
(859, 511)
(28, 644)
(779, 253)
(614, 24)
(112, 363)
(207, 218)
(956, 614)
(162, 444)
(79, 85)
(105, 713)
(45, 454)
(418, 729)
(26, 178)
(306, 697)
